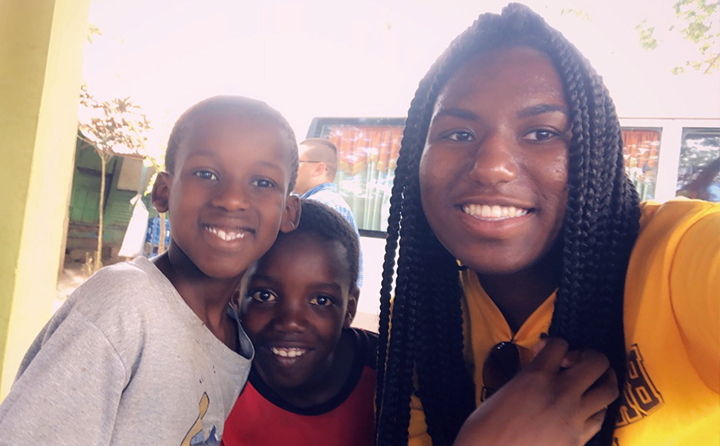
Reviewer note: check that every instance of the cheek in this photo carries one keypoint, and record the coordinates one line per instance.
(555, 190)
(187, 199)
(272, 215)
(430, 174)
(562, 200)
(558, 171)
(559, 179)
(329, 325)
(253, 322)
(424, 171)
(550, 175)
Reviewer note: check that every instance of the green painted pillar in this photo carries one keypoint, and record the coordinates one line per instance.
(41, 44)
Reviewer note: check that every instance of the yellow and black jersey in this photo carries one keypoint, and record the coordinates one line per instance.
(672, 330)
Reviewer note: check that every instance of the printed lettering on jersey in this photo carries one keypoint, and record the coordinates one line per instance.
(640, 397)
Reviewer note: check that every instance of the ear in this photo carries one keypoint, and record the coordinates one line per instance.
(161, 192)
(320, 169)
(351, 307)
(235, 300)
(291, 214)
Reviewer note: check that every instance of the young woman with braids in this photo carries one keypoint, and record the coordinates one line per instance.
(515, 221)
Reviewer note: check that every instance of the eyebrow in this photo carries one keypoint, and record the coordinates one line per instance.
(262, 278)
(270, 165)
(335, 287)
(213, 154)
(537, 110)
(460, 113)
(201, 152)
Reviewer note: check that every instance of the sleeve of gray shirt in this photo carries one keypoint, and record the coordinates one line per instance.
(68, 389)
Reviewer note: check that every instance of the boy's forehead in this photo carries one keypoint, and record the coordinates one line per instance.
(217, 124)
(298, 243)
(230, 118)
(297, 251)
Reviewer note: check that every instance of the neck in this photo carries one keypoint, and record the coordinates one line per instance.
(319, 182)
(519, 294)
(206, 296)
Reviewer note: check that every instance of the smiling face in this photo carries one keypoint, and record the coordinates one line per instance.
(227, 196)
(493, 173)
(298, 300)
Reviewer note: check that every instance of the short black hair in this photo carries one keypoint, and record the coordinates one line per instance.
(320, 142)
(327, 224)
(321, 149)
(250, 107)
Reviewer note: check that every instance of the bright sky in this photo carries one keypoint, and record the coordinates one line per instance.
(340, 58)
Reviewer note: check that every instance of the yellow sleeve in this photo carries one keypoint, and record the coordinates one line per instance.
(695, 295)
(417, 431)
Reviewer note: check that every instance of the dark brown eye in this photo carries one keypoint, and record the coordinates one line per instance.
(205, 175)
(264, 296)
(263, 183)
(460, 136)
(322, 301)
(540, 135)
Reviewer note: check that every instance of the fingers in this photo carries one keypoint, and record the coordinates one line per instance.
(602, 393)
(571, 359)
(590, 367)
(593, 425)
(565, 391)
(551, 356)
(539, 346)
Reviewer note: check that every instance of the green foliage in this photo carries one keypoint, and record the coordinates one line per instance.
(703, 29)
(700, 25)
(93, 31)
(647, 36)
(576, 12)
(114, 126)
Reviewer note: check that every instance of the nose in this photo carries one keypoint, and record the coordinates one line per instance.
(231, 196)
(290, 316)
(495, 160)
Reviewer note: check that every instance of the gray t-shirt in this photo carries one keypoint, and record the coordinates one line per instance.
(125, 361)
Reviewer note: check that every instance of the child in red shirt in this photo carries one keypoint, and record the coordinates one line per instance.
(313, 377)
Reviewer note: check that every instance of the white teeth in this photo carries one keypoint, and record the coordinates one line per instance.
(292, 352)
(227, 236)
(494, 212)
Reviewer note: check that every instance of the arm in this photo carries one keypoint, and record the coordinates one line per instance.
(546, 404)
(68, 388)
(695, 295)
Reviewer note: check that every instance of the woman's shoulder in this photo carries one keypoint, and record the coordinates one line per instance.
(681, 230)
(678, 212)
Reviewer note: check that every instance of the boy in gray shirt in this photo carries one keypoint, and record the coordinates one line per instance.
(150, 352)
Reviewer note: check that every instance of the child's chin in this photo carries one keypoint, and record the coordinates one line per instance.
(286, 376)
(286, 381)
